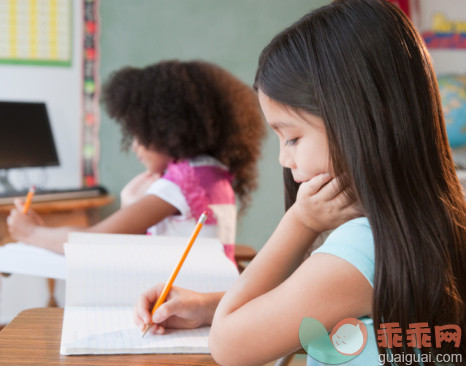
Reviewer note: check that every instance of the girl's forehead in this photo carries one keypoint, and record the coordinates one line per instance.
(282, 116)
(271, 106)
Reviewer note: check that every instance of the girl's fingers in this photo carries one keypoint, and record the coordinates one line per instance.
(152, 293)
(330, 190)
(18, 204)
(143, 306)
(138, 320)
(157, 329)
(166, 310)
(313, 185)
(340, 198)
(142, 311)
(333, 189)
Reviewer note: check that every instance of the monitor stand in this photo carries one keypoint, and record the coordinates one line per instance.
(5, 184)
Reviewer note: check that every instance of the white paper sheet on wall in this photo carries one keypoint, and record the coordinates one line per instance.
(106, 274)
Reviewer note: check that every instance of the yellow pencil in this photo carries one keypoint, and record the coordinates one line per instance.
(28, 200)
(168, 285)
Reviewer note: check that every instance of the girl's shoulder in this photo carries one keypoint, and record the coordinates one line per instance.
(206, 161)
(199, 169)
(353, 241)
(193, 185)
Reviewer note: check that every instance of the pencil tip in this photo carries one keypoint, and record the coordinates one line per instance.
(145, 330)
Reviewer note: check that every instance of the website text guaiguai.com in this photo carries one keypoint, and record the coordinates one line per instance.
(409, 358)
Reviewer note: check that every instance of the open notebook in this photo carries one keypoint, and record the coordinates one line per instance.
(107, 272)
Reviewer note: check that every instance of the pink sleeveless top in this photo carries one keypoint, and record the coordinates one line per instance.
(194, 186)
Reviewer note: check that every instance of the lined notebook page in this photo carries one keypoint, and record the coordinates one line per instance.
(105, 278)
(116, 274)
(111, 330)
(102, 238)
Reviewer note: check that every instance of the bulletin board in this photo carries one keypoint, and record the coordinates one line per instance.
(36, 32)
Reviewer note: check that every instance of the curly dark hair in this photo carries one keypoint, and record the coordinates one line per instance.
(186, 109)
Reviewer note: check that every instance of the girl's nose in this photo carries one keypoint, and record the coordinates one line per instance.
(286, 159)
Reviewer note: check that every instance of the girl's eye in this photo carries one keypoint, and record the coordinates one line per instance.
(291, 142)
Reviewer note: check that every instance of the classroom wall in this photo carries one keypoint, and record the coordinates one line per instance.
(59, 87)
(229, 33)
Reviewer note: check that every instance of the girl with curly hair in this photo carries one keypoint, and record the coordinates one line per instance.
(197, 129)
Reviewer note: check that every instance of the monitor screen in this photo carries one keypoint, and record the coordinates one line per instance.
(26, 138)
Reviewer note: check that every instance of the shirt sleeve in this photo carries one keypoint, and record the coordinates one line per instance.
(353, 241)
(171, 193)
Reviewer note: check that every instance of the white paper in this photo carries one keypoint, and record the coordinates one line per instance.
(31, 260)
(116, 274)
(101, 238)
(107, 273)
(111, 330)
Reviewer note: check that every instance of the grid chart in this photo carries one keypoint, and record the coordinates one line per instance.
(35, 32)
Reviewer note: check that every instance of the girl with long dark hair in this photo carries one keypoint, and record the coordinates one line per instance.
(351, 92)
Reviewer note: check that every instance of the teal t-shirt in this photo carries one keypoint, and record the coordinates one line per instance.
(353, 242)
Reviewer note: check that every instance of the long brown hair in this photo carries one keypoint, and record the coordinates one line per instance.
(363, 68)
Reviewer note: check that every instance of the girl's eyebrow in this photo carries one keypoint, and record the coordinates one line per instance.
(280, 124)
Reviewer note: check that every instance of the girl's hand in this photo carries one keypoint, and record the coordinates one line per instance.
(182, 309)
(322, 205)
(137, 187)
(22, 226)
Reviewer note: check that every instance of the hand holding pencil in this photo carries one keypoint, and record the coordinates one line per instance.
(27, 202)
(22, 221)
(182, 309)
(169, 284)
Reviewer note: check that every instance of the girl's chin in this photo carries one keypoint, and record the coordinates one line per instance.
(300, 180)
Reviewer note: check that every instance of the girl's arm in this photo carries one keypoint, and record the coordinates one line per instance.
(253, 329)
(258, 319)
(132, 219)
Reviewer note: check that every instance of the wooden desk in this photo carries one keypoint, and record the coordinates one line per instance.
(243, 254)
(75, 212)
(33, 338)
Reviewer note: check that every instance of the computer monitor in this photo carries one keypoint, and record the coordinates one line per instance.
(26, 139)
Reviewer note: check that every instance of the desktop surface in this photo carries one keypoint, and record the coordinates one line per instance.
(34, 336)
(44, 195)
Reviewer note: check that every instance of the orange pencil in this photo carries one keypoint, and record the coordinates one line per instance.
(168, 285)
(28, 200)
